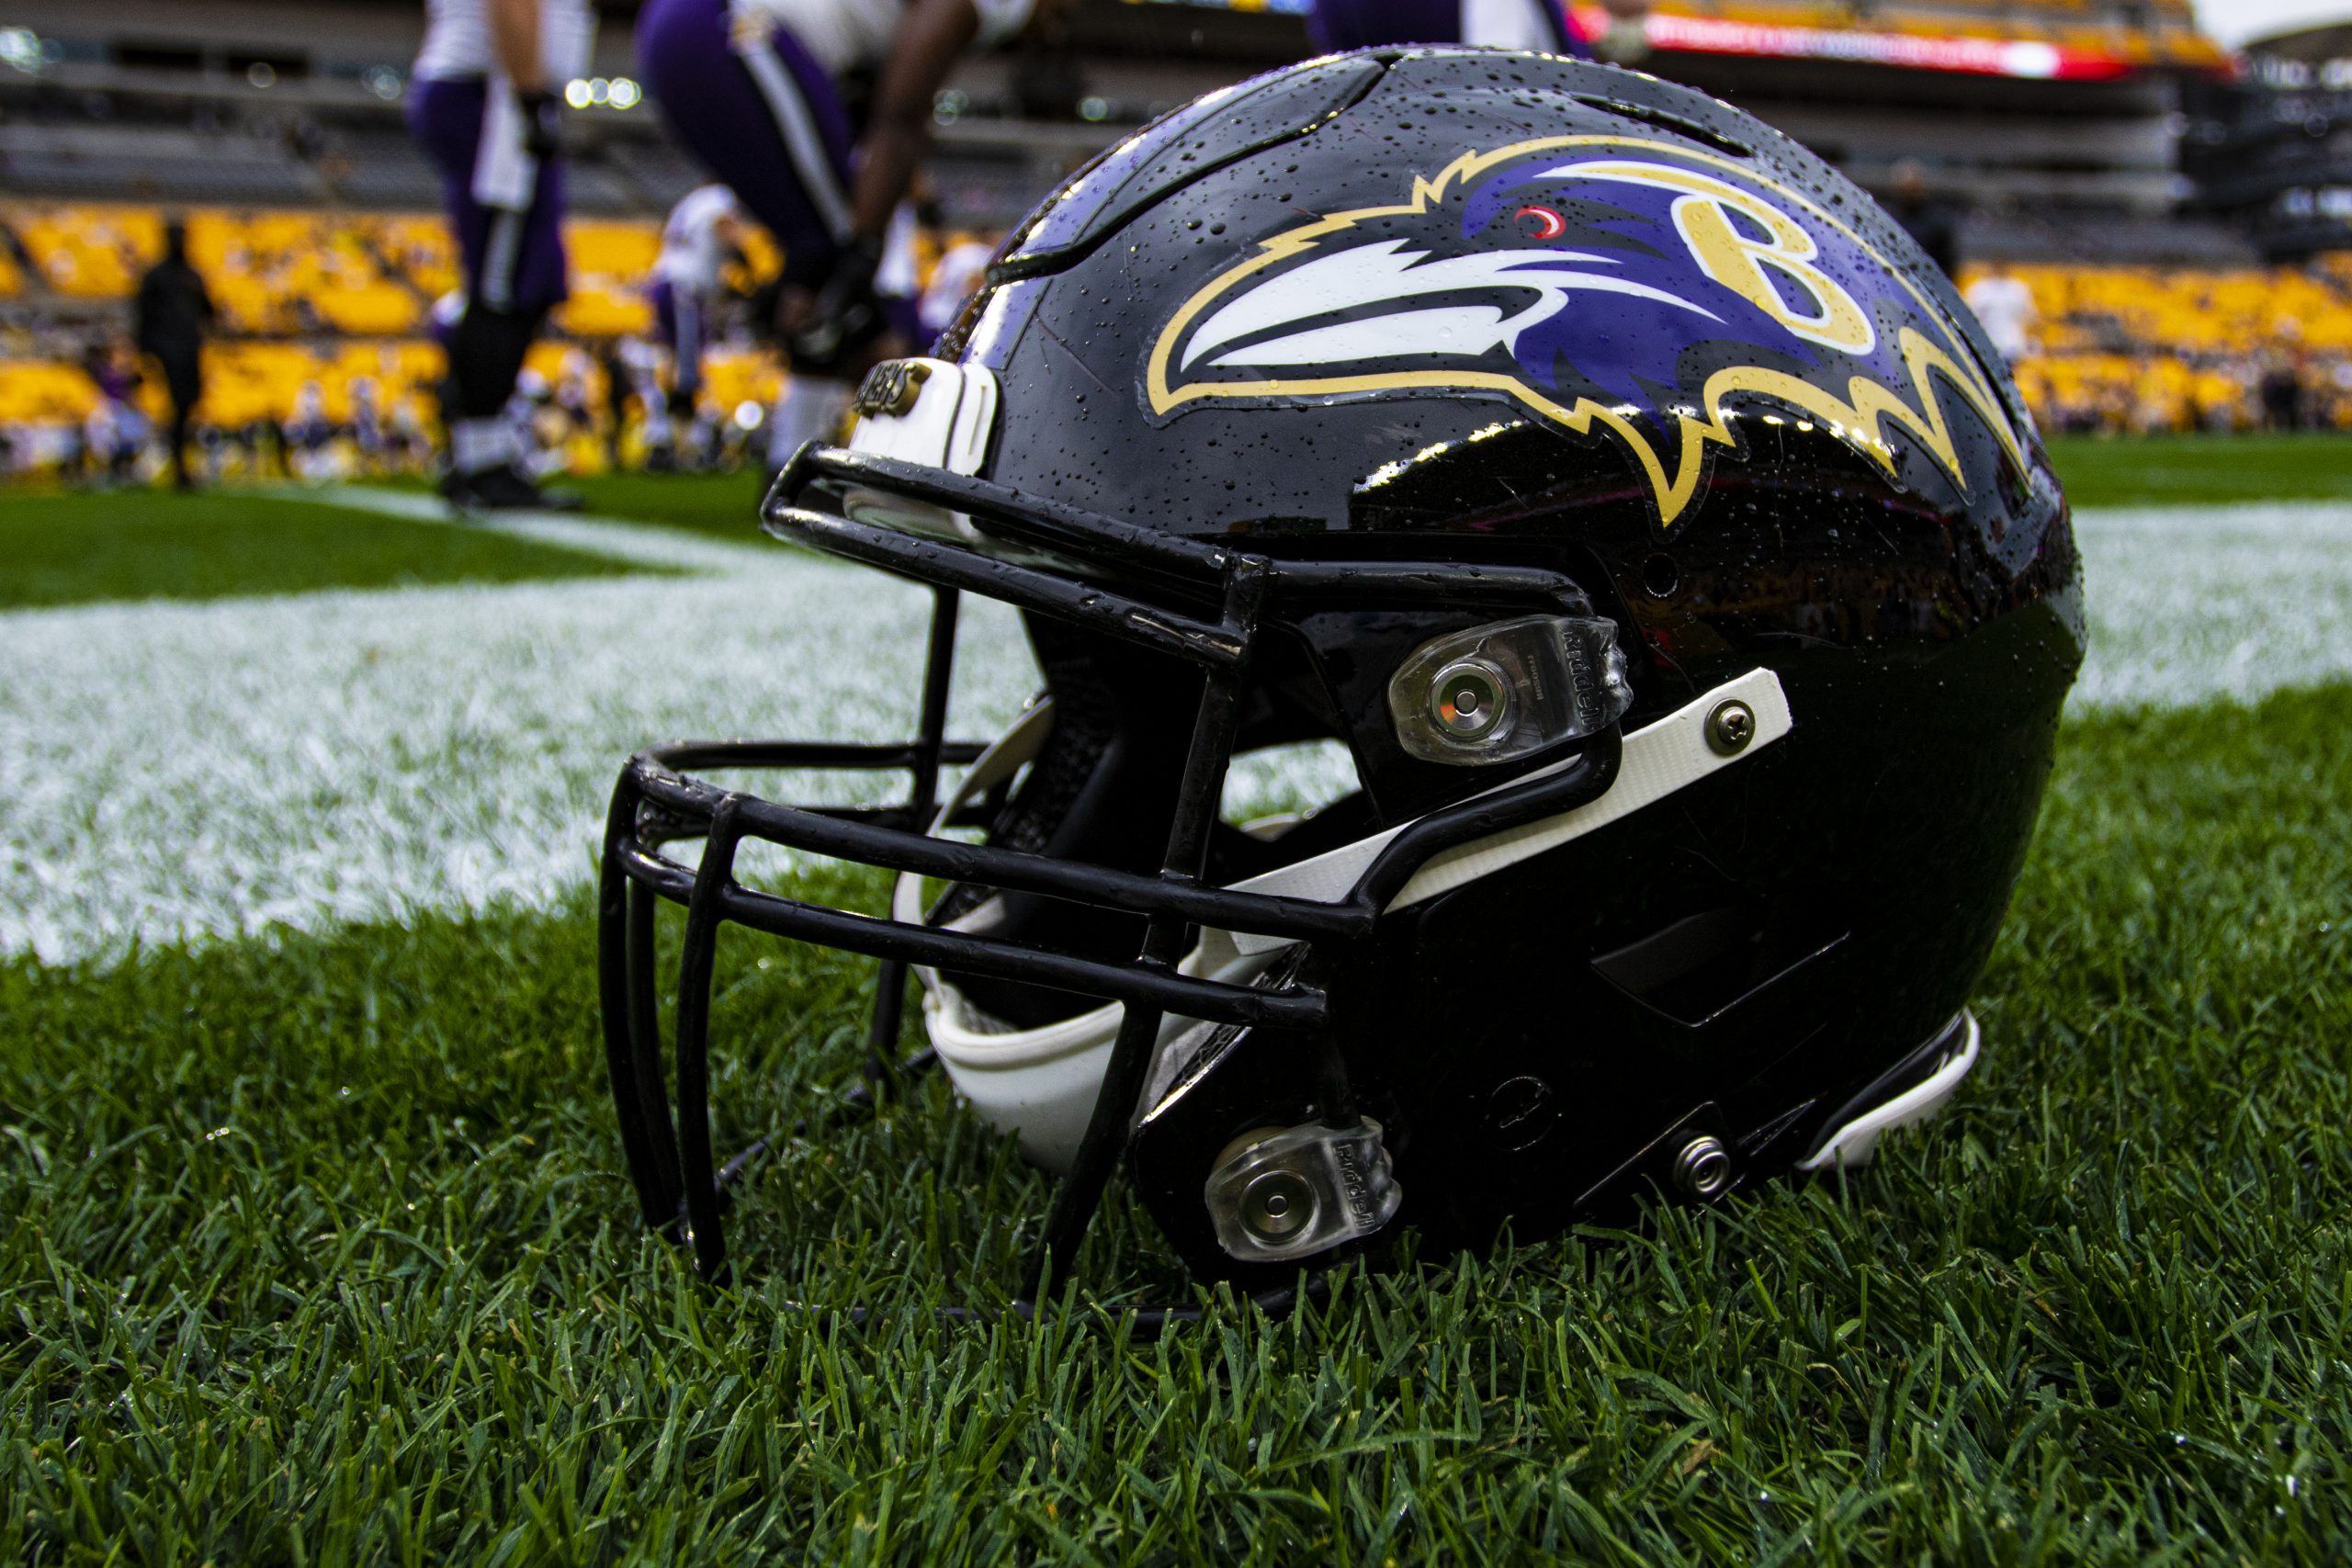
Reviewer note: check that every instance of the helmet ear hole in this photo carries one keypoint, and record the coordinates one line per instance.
(1101, 792)
(1269, 791)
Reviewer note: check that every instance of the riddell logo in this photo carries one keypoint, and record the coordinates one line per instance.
(891, 387)
(1355, 1188)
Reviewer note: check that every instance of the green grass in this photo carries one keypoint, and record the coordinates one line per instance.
(2183, 469)
(2157, 470)
(317, 1253)
(725, 506)
(67, 550)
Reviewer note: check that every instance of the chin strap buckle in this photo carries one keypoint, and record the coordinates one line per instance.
(1290, 1193)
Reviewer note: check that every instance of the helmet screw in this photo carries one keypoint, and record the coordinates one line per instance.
(1277, 1205)
(1730, 727)
(1468, 699)
(1703, 1167)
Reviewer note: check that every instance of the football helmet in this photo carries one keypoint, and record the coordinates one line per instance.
(1643, 512)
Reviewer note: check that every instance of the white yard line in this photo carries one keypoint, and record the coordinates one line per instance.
(643, 543)
(216, 769)
(2191, 603)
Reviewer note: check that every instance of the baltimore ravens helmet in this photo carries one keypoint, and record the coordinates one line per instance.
(1643, 512)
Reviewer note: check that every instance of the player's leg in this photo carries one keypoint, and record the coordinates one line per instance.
(514, 266)
(762, 117)
(685, 344)
(660, 436)
(183, 382)
(685, 381)
(1337, 25)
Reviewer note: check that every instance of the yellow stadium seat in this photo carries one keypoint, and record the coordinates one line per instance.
(44, 392)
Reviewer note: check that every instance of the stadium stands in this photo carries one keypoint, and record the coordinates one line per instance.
(269, 272)
(331, 299)
(279, 273)
(149, 162)
(610, 263)
(310, 212)
(37, 393)
(377, 169)
(2272, 150)
(312, 305)
(89, 253)
(661, 172)
(2145, 349)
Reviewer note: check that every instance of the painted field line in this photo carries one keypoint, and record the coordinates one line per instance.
(2191, 603)
(645, 544)
(216, 768)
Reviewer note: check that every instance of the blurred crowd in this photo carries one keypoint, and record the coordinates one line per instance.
(577, 409)
(326, 360)
(2095, 350)
(2142, 350)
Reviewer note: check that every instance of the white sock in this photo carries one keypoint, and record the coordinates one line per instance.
(479, 443)
(810, 408)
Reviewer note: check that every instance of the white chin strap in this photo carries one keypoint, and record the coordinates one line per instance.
(1041, 1083)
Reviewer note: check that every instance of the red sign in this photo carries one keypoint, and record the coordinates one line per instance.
(2029, 59)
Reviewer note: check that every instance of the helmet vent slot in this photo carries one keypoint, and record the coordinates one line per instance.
(1698, 968)
(1661, 120)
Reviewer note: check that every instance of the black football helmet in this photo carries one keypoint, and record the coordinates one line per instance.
(1644, 512)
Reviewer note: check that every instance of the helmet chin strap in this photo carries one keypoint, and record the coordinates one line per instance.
(1041, 1083)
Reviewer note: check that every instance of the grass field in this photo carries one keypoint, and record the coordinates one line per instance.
(67, 549)
(317, 1249)
(723, 505)
(2181, 469)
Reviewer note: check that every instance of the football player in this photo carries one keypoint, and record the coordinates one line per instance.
(1545, 25)
(704, 233)
(751, 87)
(485, 106)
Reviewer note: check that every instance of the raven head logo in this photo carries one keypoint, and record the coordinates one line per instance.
(1624, 282)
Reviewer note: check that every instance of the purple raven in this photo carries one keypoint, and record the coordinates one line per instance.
(1636, 285)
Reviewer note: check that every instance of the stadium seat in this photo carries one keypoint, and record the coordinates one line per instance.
(2145, 348)
(612, 263)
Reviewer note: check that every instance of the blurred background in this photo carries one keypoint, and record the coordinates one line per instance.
(2150, 204)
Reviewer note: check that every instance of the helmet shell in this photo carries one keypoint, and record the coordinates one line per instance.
(1472, 306)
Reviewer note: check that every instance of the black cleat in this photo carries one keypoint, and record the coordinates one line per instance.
(505, 489)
